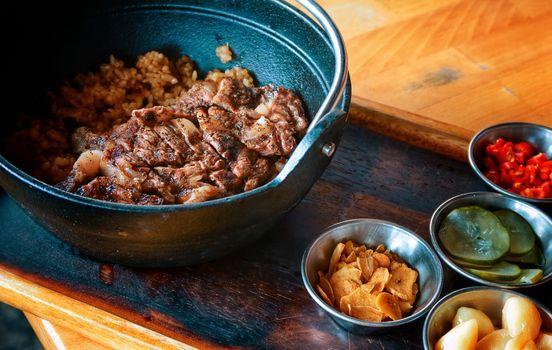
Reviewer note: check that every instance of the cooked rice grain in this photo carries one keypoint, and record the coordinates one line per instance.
(106, 98)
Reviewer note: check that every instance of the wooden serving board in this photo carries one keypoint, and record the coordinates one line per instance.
(253, 298)
(434, 72)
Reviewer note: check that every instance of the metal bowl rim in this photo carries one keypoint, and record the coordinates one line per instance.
(381, 325)
(444, 256)
(475, 168)
(452, 294)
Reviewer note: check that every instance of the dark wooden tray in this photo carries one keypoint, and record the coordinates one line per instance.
(255, 298)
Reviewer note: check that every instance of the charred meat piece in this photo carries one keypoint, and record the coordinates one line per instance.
(220, 138)
(158, 156)
(268, 120)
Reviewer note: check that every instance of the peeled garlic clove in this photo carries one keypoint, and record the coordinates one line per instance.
(544, 341)
(494, 341)
(520, 342)
(484, 323)
(520, 315)
(461, 337)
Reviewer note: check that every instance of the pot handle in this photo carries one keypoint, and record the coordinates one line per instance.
(340, 75)
(314, 152)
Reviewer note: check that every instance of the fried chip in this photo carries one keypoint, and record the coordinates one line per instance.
(323, 295)
(414, 293)
(340, 265)
(336, 256)
(344, 281)
(351, 257)
(382, 259)
(343, 288)
(387, 303)
(361, 296)
(347, 272)
(401, 282)
(373, 285)
(367, 266)
(326, 287)
(393, 257)
(405, 306)
(394, 265)
(379, 279)
(349, 247)
(360, 249)
(366, 313)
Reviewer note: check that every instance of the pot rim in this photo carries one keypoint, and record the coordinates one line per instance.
(339, 93)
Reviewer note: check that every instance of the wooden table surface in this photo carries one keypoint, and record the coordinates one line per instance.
(424, 71)
(253, 298)
(433, 72)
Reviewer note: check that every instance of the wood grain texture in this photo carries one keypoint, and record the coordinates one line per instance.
(103, 327)
(447, 67)
(54, 337)
(253, 298)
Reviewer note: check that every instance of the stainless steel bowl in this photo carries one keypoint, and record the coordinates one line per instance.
(489, 300)
(538, 135)
(409, 246)
(539, 221)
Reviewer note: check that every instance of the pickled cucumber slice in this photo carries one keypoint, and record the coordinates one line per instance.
(529, 276)
(522, 236)
(463, 263)
(475, 235)
(503, 271)
(533, 257)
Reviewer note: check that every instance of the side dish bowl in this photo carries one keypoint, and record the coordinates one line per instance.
(539, 136)
(537, 219)
(488, 300)
(275, 41)
(371, 232)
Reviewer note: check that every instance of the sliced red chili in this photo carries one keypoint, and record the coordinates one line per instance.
(519, 157)
(516, 168)
(539, 158)
(546, 188)
(525, 148)
(509, 166)
(493, 148)
(506, 153)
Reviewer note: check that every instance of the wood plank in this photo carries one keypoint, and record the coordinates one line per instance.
(528, 83)
(485, 105)
(54, 337)
(456, 66)
(433, 79)
(425, 34)
(253, 298)
(105, 328)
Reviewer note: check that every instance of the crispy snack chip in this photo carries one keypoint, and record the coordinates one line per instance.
(336, 256)
(367, 266)
(379, 279)
(367, 313)
(344, 281)
(382, 259)
(326, 287)
(401, 282)
(388, 304)
(369, 284)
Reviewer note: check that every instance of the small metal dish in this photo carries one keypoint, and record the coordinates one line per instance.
(489, 300)
(409, 246)
(537, 135)
(539, 221)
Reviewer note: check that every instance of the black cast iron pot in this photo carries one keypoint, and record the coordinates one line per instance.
(272, 39)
